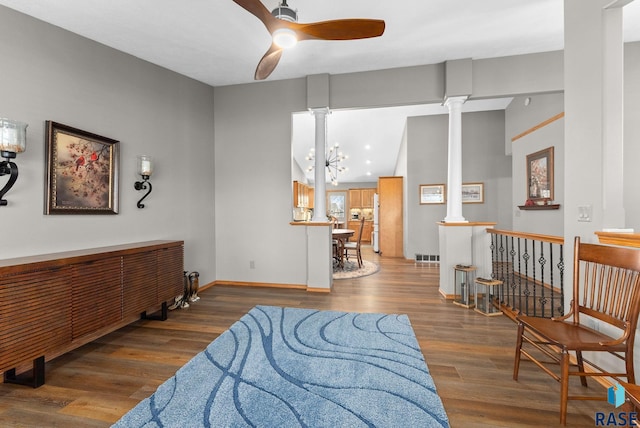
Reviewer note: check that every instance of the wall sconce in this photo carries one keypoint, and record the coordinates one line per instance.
(145, 169)
(13, 139)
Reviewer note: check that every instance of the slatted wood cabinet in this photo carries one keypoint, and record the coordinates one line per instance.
(52, 303)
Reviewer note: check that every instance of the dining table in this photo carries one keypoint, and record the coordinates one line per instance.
(340, 236)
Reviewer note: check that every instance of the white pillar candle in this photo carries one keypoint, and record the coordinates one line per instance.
(145, 167)
(12, 136)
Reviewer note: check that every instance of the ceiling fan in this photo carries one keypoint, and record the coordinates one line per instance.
(285, 31)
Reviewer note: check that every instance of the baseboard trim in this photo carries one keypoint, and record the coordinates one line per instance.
(259, 284)
(445, 295)
(318, 290)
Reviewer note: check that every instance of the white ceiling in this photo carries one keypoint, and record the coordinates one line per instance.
(370, 137)
(219, 43)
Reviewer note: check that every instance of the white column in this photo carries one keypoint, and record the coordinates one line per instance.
(454, 180)
(319, 196)
(613, 215)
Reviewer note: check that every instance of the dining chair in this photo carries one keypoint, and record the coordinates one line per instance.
(602, 318)
(334, 242)
(355, 246)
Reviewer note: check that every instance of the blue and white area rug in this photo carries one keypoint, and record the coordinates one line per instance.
(285, 367)
(351, 270)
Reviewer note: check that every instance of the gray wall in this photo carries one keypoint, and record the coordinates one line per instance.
(483, 160)
(520, 118)
(632, 136)
(51, 74)
(239, 187)
(253, 183)
(253, 173)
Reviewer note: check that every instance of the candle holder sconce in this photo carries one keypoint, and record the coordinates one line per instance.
(144, 169)
(13, 139)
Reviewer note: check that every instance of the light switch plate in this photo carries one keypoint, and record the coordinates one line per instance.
(585, 212)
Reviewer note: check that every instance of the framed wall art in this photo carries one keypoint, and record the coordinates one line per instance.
(432, 194)
(540, 175)
(472, 193)
(82, 171)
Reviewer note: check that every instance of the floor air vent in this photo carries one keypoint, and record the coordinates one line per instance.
(427, 258)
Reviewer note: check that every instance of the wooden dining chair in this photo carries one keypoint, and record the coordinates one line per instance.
(602, 318)
(334, 242)
(354, 247)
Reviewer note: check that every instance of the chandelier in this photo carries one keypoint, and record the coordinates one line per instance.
(332, 162)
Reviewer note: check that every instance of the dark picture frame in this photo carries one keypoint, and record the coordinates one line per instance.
(540, 175)
(81, 171)
(432, 194)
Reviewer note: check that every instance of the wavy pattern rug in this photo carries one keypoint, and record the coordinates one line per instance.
(285, 367)
(351, 269)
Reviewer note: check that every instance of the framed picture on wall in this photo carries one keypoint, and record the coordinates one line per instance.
(472, 193)
(82, 171)
(432, 194)
(540, 175)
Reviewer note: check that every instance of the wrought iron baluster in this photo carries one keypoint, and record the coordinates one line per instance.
(535, 286)
(526, 292)
(512, 278)
(542, 262)
(529, 268)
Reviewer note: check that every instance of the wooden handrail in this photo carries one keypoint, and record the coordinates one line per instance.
(538, 126)
(619, 238)
(533, 236)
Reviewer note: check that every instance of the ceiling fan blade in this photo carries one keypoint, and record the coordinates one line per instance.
(340, 29)
(256, 8)
(268, 62)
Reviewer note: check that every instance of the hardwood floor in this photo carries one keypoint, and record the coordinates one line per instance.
(470, 356)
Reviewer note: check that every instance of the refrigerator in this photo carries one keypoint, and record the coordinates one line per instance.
(376, 233)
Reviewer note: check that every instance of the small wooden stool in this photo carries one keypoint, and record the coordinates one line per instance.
(484, 296)
(463, 285)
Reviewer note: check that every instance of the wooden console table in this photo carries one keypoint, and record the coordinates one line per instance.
(52, 303)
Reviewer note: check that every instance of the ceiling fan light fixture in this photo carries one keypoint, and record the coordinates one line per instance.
(283, 11)
(282, 23)
(285, 38)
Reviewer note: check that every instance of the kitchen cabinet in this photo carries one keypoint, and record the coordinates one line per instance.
(367, 197)
(367, 228)
(355, 198)
(361, 198)
(390, 226)
(366, 231)
(301, 193)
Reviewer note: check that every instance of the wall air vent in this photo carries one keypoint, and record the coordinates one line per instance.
(427, 258)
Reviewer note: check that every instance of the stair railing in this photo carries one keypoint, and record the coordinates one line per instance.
(531, 268)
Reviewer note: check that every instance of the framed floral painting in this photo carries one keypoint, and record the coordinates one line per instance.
(540, 175)
(82, 171)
